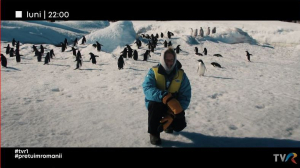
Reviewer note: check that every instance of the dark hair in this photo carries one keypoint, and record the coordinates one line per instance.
(170, 51)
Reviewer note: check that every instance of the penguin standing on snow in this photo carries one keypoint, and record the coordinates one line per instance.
(213, 31)
(208, 31)
(11, 52)
(13, 42)
(75, 42)
(34, 48)
(99, 46)
(205, 51)
(42, 49)
(135, 55)
(66, 42)
(201, 32)
(161, 35)
(178, 49)
(169, 44)
(74, 51)
(52, 53)
(83, 40)
(147, 55)
(47, 59)
(248, 56)
(124, 53)
(18, 45)
(3, 61)
(39, 56)
(129, 51)
(121, 62)
(93, 58)
(165, 44)
(196, 33)
(79, 60)
(201, 68)
(18, 56)
(7, 49)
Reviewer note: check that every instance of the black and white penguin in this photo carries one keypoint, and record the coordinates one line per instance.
(165, 44)
(42, 49)
(12, 52)
(248, 56)
(99, 46)
(3, 61)
(93, 58)
(156, 36)
(74, 51)
(208, 31)
(75, 42)
(34, 48)
(7, 49)
(177, 49)
(215, 64)
(18, 56)
(169, 44)
(196, 50)
(124, 53)
(135, 55)
(201, 68)
(121, 62)
(213, 31)
(147, 55)
(39, 56)
(78, 60)
(47, 58)
(65, 42)
(52, 53)
(83, 40)
(13, 42)
(161, 35)
(201, 32)
(205, 51)
(18, 45)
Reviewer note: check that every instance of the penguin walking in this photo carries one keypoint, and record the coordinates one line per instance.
(135, 55)
(201, 68)
(201, 32)
(3, 61)
(129, 51)
(7, 49)
(47, 59)
(205, 51)
(79, 60)
(165, 44)
(83, 40)
(74, 51)
(121, 62)
(13, 42)
(248, 56)
(169, 44)
(93, 58)
(12, 52)
(52, 53)
(178, 49)
(75, 42)
(208, 31)
(147, 55)
(162, 35)
(39, 56)
(124, 53)
(213, 31)
(18, 56)
(99, 46)
(42, 49)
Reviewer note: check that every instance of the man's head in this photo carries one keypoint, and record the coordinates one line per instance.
(168, 60)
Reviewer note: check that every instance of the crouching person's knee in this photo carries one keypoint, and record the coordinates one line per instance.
(179, 122)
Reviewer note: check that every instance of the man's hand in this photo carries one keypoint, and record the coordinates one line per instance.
(172, 103)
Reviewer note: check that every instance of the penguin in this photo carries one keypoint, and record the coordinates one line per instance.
(178, 49)
(99, 46)
(39, 56)
(170, 34)
(196, 52)
(79, 60)
(93, 58)
(47, 59)
(248, 56)
(13, 42)
(213, 31)
(218, 55)
(7, 49)
(215, 64)
(205, 51)
(74, 51)
(18, 56)
(52, 53)
(75, 42)
(66, 42)
(121, 62)
(156, 36)
(169, 44)
(149, 44)
(162, 35)
(165, 44)
(201, 32)
(201, 68)
(208, 31)
(83, 40)
(124, 53)
(3, 61)
(42, 49)
(11, 52)
(196, 33)
(135, 55)
(63, 46)
(152, 48)
(147, 55)
(18, 45)
(34, 48)
(137, 42)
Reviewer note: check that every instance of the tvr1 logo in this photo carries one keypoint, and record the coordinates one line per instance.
(284, 158)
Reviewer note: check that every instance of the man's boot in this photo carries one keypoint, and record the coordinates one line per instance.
(155, 139)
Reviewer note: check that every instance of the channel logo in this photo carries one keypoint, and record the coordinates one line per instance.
(285, 158)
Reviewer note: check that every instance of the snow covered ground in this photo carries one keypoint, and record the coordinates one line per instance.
(244, 104)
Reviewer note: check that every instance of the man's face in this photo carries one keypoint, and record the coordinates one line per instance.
(169, 59)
